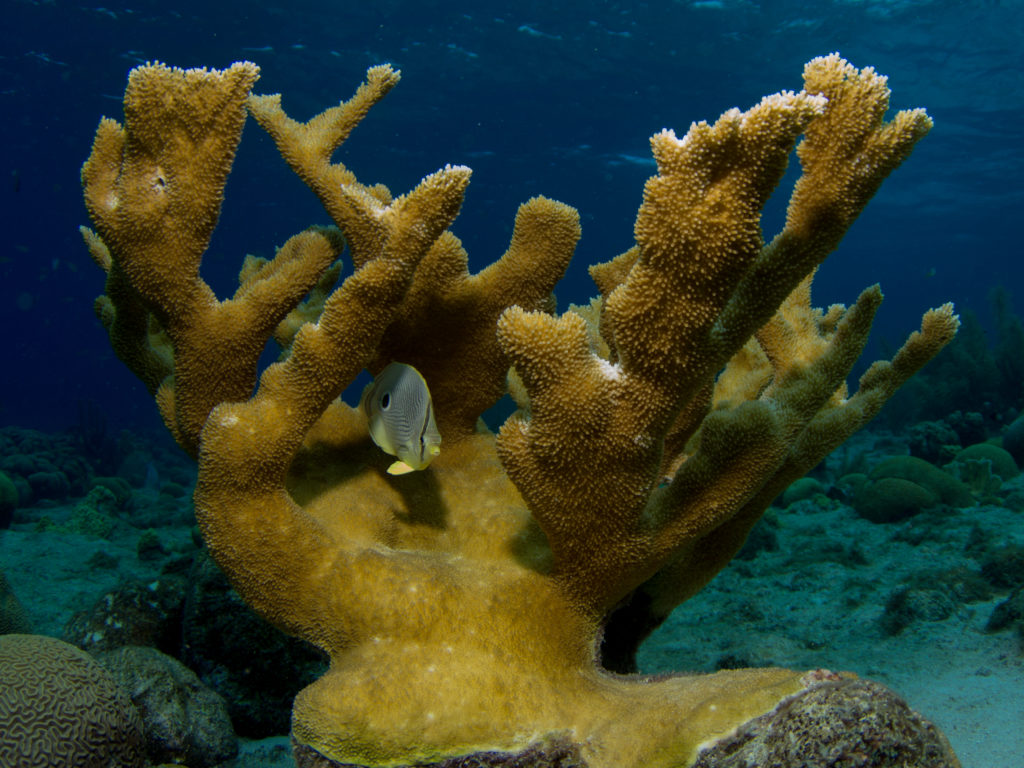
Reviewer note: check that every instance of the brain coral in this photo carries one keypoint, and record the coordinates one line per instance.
(59, 707)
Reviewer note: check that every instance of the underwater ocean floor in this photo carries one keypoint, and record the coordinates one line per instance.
(907, 603)
(798, 607)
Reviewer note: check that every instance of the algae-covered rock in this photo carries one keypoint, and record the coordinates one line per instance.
(851, 483)
(802, 489)
(135, 612)
(13, 619)
(913, 604)
(892, 499)
(185, 722)
(840, 721)
(902, 486)
(949, 490)
(1008, 613)
(934, 441)
(93, 515)
(118, 486)
(1002, 462)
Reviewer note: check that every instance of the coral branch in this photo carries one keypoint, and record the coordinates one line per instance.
(308, 147)
(154, 190)
(445, 327)
(676, 308)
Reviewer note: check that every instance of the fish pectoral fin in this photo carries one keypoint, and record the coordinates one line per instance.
(400, 468)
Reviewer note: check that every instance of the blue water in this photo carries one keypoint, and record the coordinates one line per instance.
(538, 98)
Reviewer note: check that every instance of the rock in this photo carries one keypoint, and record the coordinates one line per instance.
(219, 633)
(799, 490)
(184, 721)
(1002, 462)
(837, 721)
(134, 613)
(892, 499)
(13, 619)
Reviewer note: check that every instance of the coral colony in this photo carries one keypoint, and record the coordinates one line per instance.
(463, 606)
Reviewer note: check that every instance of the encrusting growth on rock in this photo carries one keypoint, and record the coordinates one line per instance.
(464, 606)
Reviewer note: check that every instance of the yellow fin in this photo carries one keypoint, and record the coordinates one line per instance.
(400, 468)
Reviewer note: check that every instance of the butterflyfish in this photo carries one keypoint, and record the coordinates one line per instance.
(400, 413)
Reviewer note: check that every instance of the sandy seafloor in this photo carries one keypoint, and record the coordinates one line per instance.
(814, 601)
(792, 608)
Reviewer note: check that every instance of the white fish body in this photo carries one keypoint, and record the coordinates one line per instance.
(400, 415)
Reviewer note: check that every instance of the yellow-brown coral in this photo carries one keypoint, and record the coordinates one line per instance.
(462, 606)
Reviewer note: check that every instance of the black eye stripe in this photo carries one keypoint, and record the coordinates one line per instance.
(385, 401)
(423, 429)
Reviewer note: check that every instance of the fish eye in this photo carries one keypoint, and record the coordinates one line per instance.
(385, 401)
